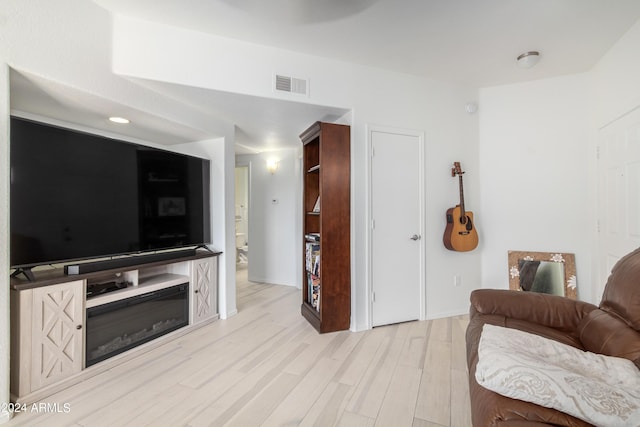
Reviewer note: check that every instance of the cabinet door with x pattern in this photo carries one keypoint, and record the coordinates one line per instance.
(58, 328)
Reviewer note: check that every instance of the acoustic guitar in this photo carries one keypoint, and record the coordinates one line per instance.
(460, 234)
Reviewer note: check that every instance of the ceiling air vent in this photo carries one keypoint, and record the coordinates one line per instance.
(291, 85)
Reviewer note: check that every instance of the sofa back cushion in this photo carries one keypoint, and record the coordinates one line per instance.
(604, 333)
(621, 295)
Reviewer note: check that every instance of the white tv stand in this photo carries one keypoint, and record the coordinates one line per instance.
(48, 319)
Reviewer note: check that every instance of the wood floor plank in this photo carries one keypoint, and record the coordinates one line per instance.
(461, 416)
(358, 361)
(458, 342)
(296, 405)
(161, 411)
(399, 404)
(238, 349)
(415, 347)
(347, 346)
(319, 347)
(187, 404)
(245, 390)
(118, 410)
(434, 396)
(417, 422)
(349, 419)
(441, 329)
(328, 408)
(109, 393)
(372, 389)
(260, 408)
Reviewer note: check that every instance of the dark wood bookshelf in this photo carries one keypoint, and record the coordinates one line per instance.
(326, 157)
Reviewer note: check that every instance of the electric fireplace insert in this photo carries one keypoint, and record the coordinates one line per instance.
(118, 326)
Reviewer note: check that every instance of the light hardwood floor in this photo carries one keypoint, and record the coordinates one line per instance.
(266, 366)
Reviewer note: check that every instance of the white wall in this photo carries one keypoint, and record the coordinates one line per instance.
(615, 80)
(220, 151)
(4, 239)
(533, 163)
(274, 227)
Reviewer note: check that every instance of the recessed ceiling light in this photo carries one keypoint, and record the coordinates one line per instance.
(120, 120)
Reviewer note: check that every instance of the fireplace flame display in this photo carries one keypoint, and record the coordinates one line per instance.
(118, 326)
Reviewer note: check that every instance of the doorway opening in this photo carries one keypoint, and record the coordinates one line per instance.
(242, 217)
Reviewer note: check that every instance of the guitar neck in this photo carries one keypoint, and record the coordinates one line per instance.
(462, 212)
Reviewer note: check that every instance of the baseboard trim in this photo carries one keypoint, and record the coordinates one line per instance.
(451, 313)
(271, 282)
(5, 417)
(228, 315)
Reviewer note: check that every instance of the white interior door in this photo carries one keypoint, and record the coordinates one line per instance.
(396, 226)
(619, 191)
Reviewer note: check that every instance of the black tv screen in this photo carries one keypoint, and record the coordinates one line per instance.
(76, 195)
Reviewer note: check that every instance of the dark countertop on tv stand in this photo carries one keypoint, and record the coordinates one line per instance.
(56, 275)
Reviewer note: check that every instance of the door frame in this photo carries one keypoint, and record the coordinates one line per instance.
(370, 129)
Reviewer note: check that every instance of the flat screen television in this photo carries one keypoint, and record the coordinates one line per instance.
(76, 195)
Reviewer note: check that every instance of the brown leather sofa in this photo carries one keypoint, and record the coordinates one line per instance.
(612, 329)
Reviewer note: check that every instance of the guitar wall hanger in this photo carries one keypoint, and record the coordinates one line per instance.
(460, 234)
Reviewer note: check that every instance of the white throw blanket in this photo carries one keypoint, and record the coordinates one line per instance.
(601, 390)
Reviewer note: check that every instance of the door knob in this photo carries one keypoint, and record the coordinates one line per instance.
(415, 237)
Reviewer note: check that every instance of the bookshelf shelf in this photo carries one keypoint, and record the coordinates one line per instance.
(326, 300)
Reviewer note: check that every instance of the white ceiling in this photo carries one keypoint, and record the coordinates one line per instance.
(468, 42)
(471, 42)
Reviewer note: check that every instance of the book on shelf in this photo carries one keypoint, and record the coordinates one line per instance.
(312, 237)
(313, 291)
(312, 261)
(312, 257)
(314, 168)
(316, 207)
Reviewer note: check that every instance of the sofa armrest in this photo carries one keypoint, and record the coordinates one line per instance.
(548, 310)
(521, 423)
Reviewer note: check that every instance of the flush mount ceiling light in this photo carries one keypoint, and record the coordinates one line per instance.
(120, 120)
(528, 59)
